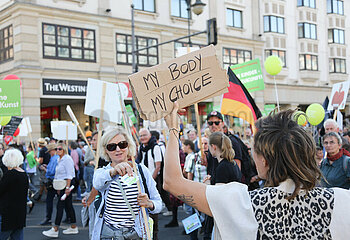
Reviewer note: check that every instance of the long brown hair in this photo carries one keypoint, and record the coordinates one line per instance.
(289, 151)
(220, 140)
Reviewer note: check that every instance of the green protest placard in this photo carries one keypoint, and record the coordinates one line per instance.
(10, 98)
(268, 108)
(249, 73)
(131, 114)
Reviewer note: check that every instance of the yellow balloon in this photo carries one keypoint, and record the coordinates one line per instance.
(300, 118)
(273, 65)
(5, 120)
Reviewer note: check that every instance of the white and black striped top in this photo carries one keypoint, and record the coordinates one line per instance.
(117, 213)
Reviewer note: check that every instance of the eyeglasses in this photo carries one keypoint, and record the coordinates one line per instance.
(58, 149)
(217, 123)
(113, 146)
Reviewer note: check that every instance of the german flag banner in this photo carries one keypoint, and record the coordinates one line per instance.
(238, 102)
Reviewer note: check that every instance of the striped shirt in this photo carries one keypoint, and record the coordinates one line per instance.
(117, 213)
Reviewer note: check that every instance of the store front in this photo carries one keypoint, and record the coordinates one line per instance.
(58, 93)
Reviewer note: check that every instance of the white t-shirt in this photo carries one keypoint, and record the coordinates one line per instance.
(151, 161)
(262, 213)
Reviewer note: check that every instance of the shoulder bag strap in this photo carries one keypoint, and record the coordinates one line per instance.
(143, 180)
(126, 199)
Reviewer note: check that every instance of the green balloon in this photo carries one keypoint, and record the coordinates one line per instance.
(300, 118)
(315, 114)
(4, 120)
(273, 65)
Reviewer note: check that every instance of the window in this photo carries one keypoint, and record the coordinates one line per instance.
(279, 53)
(69, 43)
(179, 9)
(144, 5)
(147, 57)
(184, 44)
(235, 56)
(234, 18)
(307, 3)
(337, 65)
(273, 24)
(308, 62)
(336, 36)
(335, 6)
(307, 30)
(6, 44)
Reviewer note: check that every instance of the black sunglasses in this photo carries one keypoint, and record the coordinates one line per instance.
(113, 146)
(217, 123)
(58, 149)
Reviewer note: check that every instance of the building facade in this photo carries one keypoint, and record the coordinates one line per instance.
(54, 46)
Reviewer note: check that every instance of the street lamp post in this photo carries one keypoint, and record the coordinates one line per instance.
(198, 7)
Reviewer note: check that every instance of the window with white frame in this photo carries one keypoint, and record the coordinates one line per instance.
(335, 6)
(273, 24)
(234, 18)
(308, 62)
(307, 30)
(336, 36)
(337, 65)
(233, 56)
(144, 5)
(179, 9)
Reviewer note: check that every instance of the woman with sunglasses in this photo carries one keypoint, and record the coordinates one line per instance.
(119, 215)
(64, 174)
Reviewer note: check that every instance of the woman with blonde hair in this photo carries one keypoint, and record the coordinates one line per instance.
(62, 182)
(119, 215)
(13, 196)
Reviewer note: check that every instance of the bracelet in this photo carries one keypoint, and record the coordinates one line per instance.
(174, 129)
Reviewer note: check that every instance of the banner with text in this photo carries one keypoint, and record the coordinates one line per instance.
(249, 73)
(10, 98)
(188, 79)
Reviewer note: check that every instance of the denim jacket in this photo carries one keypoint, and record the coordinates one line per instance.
(101, 182)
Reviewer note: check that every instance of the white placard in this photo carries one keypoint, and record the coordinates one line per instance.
(339, 95)
(157, 125)
(112, 109)
(23, 129)
(59, 130)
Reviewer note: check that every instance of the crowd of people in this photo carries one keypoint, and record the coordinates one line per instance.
(278, 183)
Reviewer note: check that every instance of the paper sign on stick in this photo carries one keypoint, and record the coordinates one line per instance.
(187, 79)
(59, 130)
(112, 108)
(157, 125)
(12, 126)
(23, 129)
(338, 96)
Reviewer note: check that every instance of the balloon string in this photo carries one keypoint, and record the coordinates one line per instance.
(278, 104)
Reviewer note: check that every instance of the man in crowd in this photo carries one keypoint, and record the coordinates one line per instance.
(150, 155)
(192, 135)
(330, 125)
(44, 159)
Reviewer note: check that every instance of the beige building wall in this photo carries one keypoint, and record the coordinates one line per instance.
(295, 87)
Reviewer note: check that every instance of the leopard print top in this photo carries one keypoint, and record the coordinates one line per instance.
(307, 216)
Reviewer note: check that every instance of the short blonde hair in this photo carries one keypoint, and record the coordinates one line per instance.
(12, 158)
(110, 134)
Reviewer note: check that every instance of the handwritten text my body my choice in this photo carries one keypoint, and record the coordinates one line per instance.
(177, 73)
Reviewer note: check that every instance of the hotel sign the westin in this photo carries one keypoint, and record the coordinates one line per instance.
(58, 87)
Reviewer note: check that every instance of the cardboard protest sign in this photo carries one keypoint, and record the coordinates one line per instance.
(10, 98)
(188, 79)
(59, 130)
(112, 108)
(249, 73)
(12, 126)
(339, 95)
(25, 128)
(71, 114)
